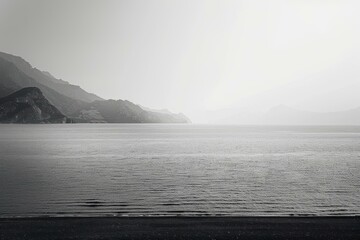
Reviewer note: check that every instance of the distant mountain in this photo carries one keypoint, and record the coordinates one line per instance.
(13, 79)
(29, 105)
(46, 79)
(71, 100)
(120, 111)
(155, 110)
(179, 116)
(286, 115)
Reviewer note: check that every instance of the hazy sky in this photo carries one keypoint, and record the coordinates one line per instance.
(195, 55)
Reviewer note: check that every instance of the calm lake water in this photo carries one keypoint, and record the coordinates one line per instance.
(133, 170)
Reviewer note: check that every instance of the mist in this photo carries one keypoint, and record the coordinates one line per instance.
(212, 60)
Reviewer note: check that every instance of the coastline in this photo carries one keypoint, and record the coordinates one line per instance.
(180, 228)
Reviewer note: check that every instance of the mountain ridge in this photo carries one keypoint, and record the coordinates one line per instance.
(28, 105)
(46, 79)
(16, 74)
(123, 111)
(283, 114)
(12, 79)
(286, 115)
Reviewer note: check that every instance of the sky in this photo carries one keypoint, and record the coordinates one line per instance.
(195, 56)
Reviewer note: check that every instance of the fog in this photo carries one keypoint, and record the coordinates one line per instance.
(202, 58)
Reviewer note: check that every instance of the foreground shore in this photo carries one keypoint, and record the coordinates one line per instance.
(181, 228)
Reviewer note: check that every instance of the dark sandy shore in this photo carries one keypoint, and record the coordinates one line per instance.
(182, 228)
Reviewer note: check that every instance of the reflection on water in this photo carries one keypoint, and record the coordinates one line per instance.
(129, 169)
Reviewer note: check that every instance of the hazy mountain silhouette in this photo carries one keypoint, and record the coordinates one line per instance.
(119, 111)
(71, 100)
(46, 79)
(13, 79)
(29, 105)
(286, 115)
(180, 116)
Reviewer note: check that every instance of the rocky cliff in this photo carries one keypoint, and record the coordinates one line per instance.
(29, 105)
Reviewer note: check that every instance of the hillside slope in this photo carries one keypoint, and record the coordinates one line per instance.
(71, 100)
(120, 111)
(46, 79)
(29, 105)
(12, 79)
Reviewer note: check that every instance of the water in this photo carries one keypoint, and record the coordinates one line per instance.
(152, 170)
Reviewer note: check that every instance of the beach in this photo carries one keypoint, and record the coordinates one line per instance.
(180, 228)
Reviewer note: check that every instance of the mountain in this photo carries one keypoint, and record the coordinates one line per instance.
(286, 115)
(180, 116)
(46, 79)
(71, 100)
(13, 79)
(29, 105)
(120, 111)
